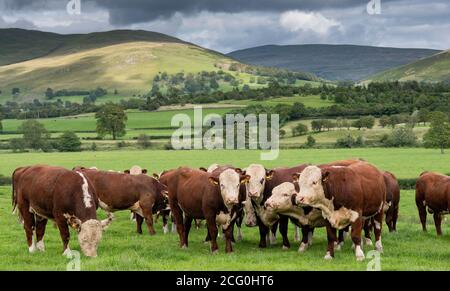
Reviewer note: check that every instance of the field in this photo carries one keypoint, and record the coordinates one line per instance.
(122, 249)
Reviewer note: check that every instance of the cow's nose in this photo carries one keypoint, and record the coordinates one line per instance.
(268, 204)
(253, 194)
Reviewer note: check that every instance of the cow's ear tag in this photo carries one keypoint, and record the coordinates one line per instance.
(156, 176)
(213, 181)
(269, 175)
(245, 179)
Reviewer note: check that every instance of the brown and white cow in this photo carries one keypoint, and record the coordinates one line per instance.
(346, 195)
(433, 192)
(140, 193)
(203, 195)
(259, 188)
(67, 197)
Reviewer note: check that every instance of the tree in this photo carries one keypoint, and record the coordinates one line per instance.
(401, 137)
(317, 125)
(49, 93)
(394, 120)
(299, 129)
(297, 111)
(34, 134)
(423, 115)
(94, 147)
(368, 121)
(310, 141)
(357, 123)
(143, 141)
(69, 142)
(438, 136)
(15, 91)
(111, 119)
(384, 121)
(17, 144)
(282, 133)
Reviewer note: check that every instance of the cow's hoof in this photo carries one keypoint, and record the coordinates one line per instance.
(40, 246)
(67, 252)
(239, 238)
(368, 242)
(379, 246)
(184, 247)
(360, 258)
(284, 247)
(32, 249)
(328, 256)
(337, 246)
(215, 252)
(303, 247)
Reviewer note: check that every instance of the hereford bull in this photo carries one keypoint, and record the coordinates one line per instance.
(392, 199)
(346, 195)
(141, 194)
(67, 197)
(203, 195)
(433, 192)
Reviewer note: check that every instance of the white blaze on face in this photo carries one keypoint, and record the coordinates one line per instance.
(280, 200)
(135, 170)
(229, 181)
(212, 168)
(255, 185)
(89, 237)
(87, 199)
(311, 189)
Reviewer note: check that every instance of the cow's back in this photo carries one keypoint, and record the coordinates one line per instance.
(434, 188)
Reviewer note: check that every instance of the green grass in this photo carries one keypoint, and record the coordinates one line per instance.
(122, 249)
(313, 101)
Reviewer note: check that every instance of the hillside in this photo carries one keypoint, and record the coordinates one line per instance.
(431, 69)
(331, 62)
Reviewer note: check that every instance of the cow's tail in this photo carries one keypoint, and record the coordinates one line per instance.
(14, 194)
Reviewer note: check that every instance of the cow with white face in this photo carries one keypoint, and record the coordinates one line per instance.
(259, 189)
(345, 195)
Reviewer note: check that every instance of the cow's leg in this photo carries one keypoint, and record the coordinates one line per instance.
(139, 221)
(367, 228)
(174, 225)
(306, 230)
(250, 215)
(437, 222)
(394, 219)
(284, 222)
(389, 218)
(165, 220)
(178, 217)
(40, 231)
(61, 222)
(228, 234)
(263, 231)
(378, 225)
(29, 227)
(273, 233)
(331, 237)
(356, 238)
(296, 233)
(198, 223)
(148, 215)
(187, 228)
(422, 213)
(212, 230)
(239, 224)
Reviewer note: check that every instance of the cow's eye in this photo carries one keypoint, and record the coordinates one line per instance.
(315, 182)
(262, 181)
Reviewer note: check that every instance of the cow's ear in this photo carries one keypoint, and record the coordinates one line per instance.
(156, 176)
(203, 169)
(245, 178)
(295, 177)
(325, 176)
(126, 171)
(239, 170)
(144, 171)
(73, 222)
(269, 174)
(213, 180)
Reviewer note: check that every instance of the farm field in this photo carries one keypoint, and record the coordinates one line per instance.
(313, 101)
(122, 249)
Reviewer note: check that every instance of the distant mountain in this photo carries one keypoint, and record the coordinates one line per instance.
(126, 60)
(435, 68)
(332, 62)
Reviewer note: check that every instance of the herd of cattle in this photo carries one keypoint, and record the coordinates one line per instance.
(343, 196)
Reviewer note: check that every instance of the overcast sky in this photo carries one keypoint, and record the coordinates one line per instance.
(227, 25)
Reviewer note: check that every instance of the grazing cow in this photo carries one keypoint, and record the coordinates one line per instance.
(282, 201)
(392, 199)
(67, 197)
(259, 188)
(204, 195)
(433, 192)
(141, 194)
(346, 195)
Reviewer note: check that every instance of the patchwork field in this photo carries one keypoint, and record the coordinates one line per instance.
(122, 249)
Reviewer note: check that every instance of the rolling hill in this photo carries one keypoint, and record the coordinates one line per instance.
(331, 62)
(126, 60)
(435, 68)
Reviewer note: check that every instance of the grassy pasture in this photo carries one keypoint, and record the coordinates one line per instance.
(122, 249)
(313, 101)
